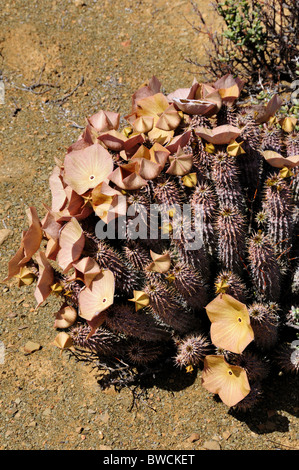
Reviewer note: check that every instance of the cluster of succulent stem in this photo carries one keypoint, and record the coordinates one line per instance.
(147, 302)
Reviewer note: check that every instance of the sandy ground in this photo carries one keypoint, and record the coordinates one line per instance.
(92, 55)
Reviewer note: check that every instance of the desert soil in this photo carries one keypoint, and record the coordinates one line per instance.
(92, 55)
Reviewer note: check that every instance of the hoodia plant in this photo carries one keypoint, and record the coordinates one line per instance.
(174, 240)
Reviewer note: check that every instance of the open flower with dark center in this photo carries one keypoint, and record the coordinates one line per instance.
(228, 381)
(230, 328)
(85, 169)
(95, 299)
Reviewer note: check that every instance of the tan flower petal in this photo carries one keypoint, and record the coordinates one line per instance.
(15, 263)
(98, 297)
(195, 107)
(148, 169)
(180, 163)
(127, 176)
(132, 143)
(159, 154)
(103, 189)
(113, 140)
(76, 205)
(190, 180)
(285, 172)
(235, 149)
(278, 161)
(108, 203)
(95, 323)
(169, 119)
(52, 249)
(84, 142)
(180, 140)
(45, 278)
(288, 123)
(50, 226)
(57, 189)
(161, 263)
(148, 89)
(219, 135)
(65, 317)
(229, 88)
(85, 169)
(204, 90)
(214, 97)
(71, 244)
(269, 111)
(143, 124)
(104, 121)
(230, 328)
(152, 105)
(25, 277)
(63, 340)
(88, 268)
(184, 93)
(227, 381)
(160, 136)
(33, 236)
(140, 298)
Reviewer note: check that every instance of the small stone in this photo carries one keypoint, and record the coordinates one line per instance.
(31, 347)
(193, 437)
(12, 315)
(101, 435)
(212, 445)
(32, 424)
(104, 417)
(4, 234)
(79, 429)
(47, 412)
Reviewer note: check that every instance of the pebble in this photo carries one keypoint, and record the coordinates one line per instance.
(47, 412)
(12, 315)
(212, 445)
(32, 424)
(104, 417)
(193, 437)
(31, 347)
(4, 234)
